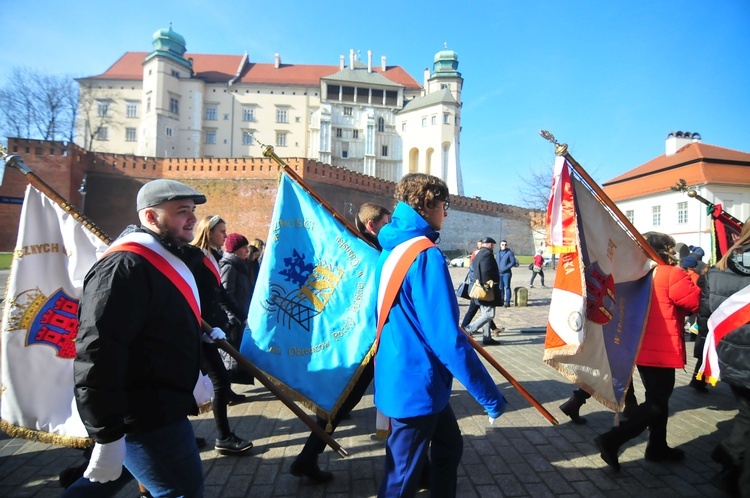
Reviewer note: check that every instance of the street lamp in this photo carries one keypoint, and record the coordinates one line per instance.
(82, 191)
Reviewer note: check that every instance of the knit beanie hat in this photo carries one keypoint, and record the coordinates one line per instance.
(235, 241)
(697, 252)
(688, 262)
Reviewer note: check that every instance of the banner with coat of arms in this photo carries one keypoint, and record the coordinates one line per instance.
(40, 322)
(311, 323)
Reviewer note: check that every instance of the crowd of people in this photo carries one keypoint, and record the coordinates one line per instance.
(155, 304)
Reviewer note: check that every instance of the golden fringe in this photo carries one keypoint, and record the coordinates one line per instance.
(205, 408)
(45, 437)
(571, 376)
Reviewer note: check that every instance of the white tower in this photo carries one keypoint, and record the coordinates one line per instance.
(430, 125)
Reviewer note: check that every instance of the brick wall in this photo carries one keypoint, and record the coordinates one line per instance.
(241, 190)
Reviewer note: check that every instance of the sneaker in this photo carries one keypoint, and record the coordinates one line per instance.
(531, 286)
(232, 445)
(489, 341)
(506, 305)
(312, 471)
(665, 454)
(236, 399)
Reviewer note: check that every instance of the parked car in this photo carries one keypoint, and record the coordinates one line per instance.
(461, 261)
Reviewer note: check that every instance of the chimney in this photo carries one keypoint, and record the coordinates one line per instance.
(426, 77)
(369, 61)
(341, 61)
(276, 60)
(676, 140)
(382, 63)
(351, 58)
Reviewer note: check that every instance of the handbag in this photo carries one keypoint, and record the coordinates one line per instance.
(531, 266)
(537, 269)
(482, 292)
(463, 289)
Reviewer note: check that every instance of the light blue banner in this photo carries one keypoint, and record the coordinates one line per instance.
(312, 317)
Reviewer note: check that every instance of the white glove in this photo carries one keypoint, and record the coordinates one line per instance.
(492, 421)
(217, 333)
(106, 461)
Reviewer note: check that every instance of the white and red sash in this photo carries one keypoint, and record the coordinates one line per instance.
(212, 264)
(165, 262)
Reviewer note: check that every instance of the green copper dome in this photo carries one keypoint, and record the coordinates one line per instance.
(446, 62)
(167, 40)
(170, 44)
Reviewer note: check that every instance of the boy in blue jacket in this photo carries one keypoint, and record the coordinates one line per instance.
(421, 349)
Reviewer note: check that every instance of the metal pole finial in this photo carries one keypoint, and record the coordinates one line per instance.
(560, 149)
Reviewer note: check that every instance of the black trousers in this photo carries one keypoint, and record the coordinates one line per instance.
(214, 367)
(652, 414)
(314, 444)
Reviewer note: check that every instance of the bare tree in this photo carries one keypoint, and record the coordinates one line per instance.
(37, 105)
(95, 116)
(535, 188)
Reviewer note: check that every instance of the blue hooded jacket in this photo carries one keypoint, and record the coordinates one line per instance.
(421, 347)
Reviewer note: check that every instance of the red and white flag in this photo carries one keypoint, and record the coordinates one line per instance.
(729, 316)
(561, 216)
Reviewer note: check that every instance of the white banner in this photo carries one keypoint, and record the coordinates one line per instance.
(40, 322)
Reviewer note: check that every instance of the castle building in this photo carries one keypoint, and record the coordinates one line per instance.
(371, 119)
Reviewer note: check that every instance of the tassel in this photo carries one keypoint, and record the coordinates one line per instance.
(329, 427)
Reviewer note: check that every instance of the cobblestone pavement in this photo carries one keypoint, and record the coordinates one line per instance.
(521, 455)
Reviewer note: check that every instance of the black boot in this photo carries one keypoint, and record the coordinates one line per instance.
(571, 407)
(631, 403)
(608, 450)
(309, 467)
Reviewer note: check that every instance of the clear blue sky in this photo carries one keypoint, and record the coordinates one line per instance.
(611, 79)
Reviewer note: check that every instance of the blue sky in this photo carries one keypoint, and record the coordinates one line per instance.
(611, 79)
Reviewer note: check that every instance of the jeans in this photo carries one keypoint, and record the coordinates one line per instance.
(406, 455)
(166, 460)
(533, 276)
(505, 286)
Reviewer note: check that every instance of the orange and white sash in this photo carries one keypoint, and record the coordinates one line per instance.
(392, 276)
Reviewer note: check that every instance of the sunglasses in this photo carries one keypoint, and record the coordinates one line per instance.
(446, 206)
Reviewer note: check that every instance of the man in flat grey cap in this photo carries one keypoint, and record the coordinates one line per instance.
(484, 269)
(138, 348)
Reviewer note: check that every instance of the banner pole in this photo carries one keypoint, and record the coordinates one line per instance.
(562, 150)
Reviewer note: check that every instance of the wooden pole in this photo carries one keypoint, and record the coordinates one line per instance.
(39, 184)
(492, 361)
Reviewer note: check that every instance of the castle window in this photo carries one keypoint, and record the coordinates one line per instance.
(131, 109)
(281, 115)
(630, 215)
(211, 113)
(433, 120)
(169, 131)
(424, 122)
(102, 108)
(281, 138)
(384, 151)
(174, 105)
(347, 111)
(339, 133)
(656, 215)
(446, 118)
(210, 136)
(355, 133)
(381, 125)
(247, 137)
(248, 114)
(103, 133)
(130, 134)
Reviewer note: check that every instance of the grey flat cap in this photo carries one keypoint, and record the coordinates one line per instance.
(488, 240)
(158, 191)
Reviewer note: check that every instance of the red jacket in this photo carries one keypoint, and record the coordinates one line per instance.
(674, 296)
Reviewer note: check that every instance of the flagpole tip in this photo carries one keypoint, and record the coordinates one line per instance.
(560, 149)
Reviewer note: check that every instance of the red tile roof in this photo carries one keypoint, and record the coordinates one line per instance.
(213, 68)
(697, 163)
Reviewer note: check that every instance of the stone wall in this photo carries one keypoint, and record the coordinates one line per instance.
(241, 190)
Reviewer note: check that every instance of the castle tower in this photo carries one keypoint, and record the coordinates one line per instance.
(430, 125)
(171, 113)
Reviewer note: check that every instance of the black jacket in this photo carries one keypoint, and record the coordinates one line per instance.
(138, 347)
(484, 267)
(734, 350)
(236, 279)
